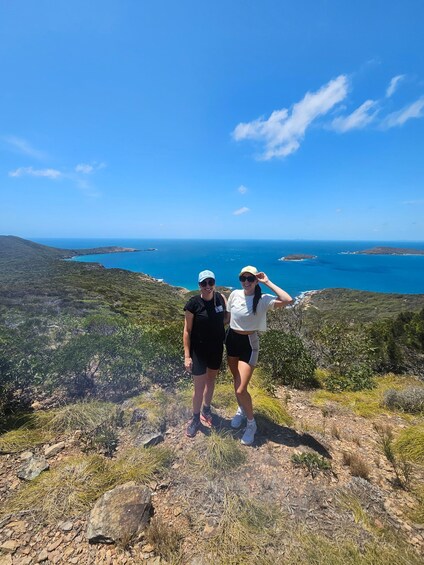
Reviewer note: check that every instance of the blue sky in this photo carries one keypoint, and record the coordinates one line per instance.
(236, 119)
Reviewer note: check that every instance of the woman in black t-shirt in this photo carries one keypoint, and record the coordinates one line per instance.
(203, 337)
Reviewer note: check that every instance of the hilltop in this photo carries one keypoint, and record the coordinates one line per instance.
(94, 397)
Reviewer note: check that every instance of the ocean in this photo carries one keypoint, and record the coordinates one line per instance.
(178, 262)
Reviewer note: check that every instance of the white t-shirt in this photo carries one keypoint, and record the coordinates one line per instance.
(240, 307)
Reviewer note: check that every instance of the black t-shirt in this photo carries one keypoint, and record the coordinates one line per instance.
(208, 321)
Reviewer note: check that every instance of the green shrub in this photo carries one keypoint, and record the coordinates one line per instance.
(284, 357)
(347, 353)
(312, 462)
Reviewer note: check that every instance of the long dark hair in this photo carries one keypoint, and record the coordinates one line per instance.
(257, 297)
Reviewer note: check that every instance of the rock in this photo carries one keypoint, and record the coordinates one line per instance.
(137, 416)
(6, 560)
(120, 514)
(32, 468)
(9, 546)
(19, 526)
(54, 449)
(152, 440)
(26, 455)
(36, 405)
(42, 556)
(66, 526)
(52, 546)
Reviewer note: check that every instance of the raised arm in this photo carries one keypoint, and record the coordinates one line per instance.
(283, 298)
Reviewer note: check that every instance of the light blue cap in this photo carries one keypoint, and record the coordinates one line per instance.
(206, 275)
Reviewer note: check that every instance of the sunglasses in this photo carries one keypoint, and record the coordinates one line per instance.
(207, 282)
(249, 278)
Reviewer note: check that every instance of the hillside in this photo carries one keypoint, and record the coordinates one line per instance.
(334, 304)
(94, 402)
(35, 279)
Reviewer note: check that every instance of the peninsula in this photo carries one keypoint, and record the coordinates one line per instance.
(389, 251)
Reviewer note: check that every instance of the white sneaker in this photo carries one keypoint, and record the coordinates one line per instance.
(249, 433)
(238, 418)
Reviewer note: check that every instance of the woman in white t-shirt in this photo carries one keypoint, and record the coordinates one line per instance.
(248, 308)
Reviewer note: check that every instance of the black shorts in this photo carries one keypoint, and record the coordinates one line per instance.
(206, 358)
(245, 347)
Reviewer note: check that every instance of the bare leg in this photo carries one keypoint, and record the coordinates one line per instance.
(210, 378)
(199, 382)
(242, 373)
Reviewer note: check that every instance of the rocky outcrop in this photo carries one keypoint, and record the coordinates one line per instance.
(120, 514)
(32, 468)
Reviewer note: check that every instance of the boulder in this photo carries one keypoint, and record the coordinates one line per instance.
(120, 514)
(32, 468)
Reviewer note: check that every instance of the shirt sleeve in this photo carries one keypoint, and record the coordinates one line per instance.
(268, 301)
(190, 306)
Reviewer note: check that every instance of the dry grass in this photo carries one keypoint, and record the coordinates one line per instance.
(140, 465)
(357, 465)
(74, 485)
(67, 490)
(84, 416)
(256, 533)
(247, 529)
(218, 454)
(166, 540)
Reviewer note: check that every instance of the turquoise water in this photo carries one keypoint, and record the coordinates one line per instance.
(178, 262)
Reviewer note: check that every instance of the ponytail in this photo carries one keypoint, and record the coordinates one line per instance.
(257, 297)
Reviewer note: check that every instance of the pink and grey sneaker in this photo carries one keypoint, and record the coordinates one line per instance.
(206, 418)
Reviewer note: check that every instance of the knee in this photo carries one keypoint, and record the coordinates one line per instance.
(241, 390)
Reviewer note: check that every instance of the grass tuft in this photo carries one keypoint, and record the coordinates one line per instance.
(22, 439)
(357, 465)
(410, 444)
(219, 453)
(84, 416)
(246, 529)
(141, 465)
(166, 540)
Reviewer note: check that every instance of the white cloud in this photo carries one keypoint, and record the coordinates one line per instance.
(23, 146)
(29, 171)
(242, 189)
(86, 168)
(357, 119)
(393, 85)
(241, 211)
(283, 131)
(414, 110)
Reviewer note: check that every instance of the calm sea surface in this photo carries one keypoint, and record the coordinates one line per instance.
(178, 262)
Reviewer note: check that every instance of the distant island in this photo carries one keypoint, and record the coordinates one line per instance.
(101, 250)
(297, 257)
(388, 251)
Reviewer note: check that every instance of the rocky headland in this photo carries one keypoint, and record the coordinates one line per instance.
(389, 251)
